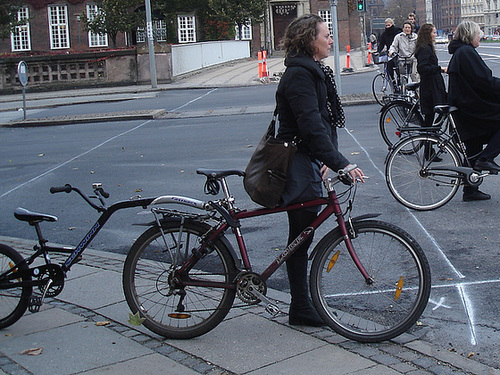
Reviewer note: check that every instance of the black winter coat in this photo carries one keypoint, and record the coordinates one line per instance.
(387, 37)
(432, 88)
(473, 89)
(302, 112)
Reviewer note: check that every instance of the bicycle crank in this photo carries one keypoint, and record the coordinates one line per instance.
(252, 289)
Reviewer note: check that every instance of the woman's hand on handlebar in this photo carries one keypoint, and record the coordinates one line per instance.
(356, 173)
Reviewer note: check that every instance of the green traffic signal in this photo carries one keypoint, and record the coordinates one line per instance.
(361, 5)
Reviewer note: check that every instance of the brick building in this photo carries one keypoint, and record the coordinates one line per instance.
(55, 26)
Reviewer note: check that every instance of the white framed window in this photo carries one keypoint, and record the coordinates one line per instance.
(186, 29)
(20, 37)
(159, 32)
(58, 24)
(95, 40)
(246, 31)
(326, 15)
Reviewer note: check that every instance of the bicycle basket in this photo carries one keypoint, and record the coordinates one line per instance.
(380, 58)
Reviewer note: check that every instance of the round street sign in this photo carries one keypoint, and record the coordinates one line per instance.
(22, 73)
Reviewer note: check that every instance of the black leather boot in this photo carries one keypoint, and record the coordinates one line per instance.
(302, 311)
(474, 194)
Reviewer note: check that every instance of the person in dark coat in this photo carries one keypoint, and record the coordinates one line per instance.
(432, 87)
(385, 41)
(473, 89)
(309, 111)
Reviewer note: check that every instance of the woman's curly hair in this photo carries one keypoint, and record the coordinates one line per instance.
(300, 35)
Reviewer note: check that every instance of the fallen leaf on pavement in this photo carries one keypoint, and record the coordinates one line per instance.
(135, 319)
(103, 323)
(32, 351)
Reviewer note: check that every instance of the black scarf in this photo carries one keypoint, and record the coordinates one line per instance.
(333, 104)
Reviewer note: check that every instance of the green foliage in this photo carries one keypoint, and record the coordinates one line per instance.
(239, 11)
(8, 17)
(115, 16)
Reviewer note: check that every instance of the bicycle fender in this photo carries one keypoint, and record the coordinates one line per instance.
(354, 220)
(399, 101)
(223, 239)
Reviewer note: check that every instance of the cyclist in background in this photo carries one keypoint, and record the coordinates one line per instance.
(385, 41)
(432, 88)
(413, 19)
(404, 46)
(475, 92)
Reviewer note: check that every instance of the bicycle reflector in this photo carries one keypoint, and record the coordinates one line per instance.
(333, 261)
(179, 316)
(399, 288)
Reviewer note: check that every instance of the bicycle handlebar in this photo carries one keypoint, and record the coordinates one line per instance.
(59, 189)
(97, 189)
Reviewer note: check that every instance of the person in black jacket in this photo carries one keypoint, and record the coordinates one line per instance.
(432, 87)
(385, 41)
(309, 111)
(473, 89)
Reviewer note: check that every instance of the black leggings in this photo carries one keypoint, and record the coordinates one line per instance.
(299, 220)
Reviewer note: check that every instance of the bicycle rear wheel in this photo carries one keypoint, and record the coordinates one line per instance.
(385, 307)
(382, 88)
(170, 309)
(420, 180)
(13, 300)
(395, 120)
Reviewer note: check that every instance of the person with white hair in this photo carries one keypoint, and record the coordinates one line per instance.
(474, 90)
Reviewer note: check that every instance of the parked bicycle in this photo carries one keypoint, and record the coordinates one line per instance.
(370, 281)
(424, 170)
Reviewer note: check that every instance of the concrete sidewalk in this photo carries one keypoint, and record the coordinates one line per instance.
(239, 73)
(84, 330)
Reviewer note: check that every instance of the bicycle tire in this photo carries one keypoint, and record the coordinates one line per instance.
(395, 119)
(13, 301)
(148, 271)
(382, 88)
(413, 180)
(374, 312)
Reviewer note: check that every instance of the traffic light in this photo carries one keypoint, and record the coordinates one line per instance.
(361, 5)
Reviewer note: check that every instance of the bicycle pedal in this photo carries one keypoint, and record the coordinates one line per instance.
(272, 309)
(35, 304)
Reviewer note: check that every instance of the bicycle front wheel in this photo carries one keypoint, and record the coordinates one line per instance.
(396, 120)
(14, 300)
(421, 180)
(382, 88)
(380, 308)
(169, 308)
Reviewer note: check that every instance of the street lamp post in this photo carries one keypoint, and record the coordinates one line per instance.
(151, 45)
(335, 37)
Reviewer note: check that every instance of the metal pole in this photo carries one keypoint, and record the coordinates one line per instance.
(336, 51)
(151, 45)
(24, 102)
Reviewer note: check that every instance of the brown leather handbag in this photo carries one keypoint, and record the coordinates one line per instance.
(266, 172)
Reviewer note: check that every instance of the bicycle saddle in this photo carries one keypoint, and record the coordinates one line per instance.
(412, 86)
(32, 217)
(219, 173)
(444, 109)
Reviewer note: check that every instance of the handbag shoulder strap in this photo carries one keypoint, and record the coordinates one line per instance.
(271, 130)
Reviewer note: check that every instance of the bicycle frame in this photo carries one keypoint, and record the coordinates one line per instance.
(43, 249)
(332, 207)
